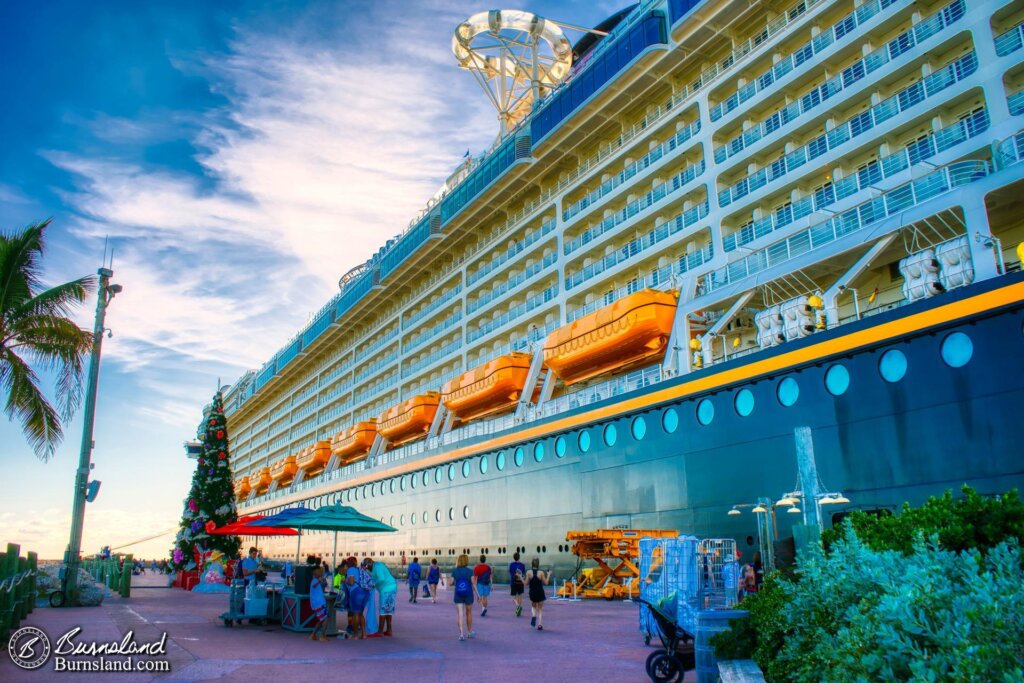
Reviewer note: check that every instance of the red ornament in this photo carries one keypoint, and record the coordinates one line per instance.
(220, 433)
(213, 423)
(210, 526)
(200, 461)
(221, 456)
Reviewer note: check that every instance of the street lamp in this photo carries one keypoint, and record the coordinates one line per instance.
(83, 491)
(766, 528)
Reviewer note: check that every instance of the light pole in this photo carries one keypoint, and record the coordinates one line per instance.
(72, 560)
(767, 529)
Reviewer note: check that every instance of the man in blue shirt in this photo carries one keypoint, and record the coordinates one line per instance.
(516, 573)
(250, 566)
(415, 573)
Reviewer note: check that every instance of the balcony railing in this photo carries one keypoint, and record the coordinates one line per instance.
(427, 384)
(375, 367)
(642, 164)
(433, 306)
(335, 373)
(1016, 103)
(432, 332)
(512, 251)
(616, 386)
(364, 396)
(363, 352)
(1011, 41)
(523, 343)
(432, 358)
(514, 281)
(902, 44)
(1011, 150)
(804, 54)
(863, 215)
(513, 313)
(634, 247)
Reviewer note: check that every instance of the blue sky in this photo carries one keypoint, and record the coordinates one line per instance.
(239, 157)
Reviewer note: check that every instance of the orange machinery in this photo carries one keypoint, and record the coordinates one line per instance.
(353, 444)
(487, 389)
(260, 481)
(283, 471)
(604, 546)
(627, 332)
(410, 419)
(313, 459)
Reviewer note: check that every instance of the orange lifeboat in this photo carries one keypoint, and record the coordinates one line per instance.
(628, 332)
(313, 459)
(490, 388)
(283, 471)
(409, 420)
(242, 488)
(353, 444)
(260, 481)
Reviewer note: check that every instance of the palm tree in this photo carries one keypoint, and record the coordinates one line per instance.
(35, 330)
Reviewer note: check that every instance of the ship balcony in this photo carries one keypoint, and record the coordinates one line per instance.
(333, 413)
(431, 306)
(518, 308)
(426, 335)
(867, 177)
(375, 367)
(534, 334)
(374, 388)
(642, 246)
(445, 350)
(901, 51)
(492, 296)
(335, 373)
(1016, 103)
(364, 350)
(646, 161)
(512, 251)
(299, 413)
(893, 202)
(433, 381)
(338, 390)
(1009, 42)
(1011, 150)
(853, 27)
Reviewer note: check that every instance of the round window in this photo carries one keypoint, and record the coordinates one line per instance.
(639, 427)
(610, 435)
(670, 420)
(499, 461)
(705, 411)
(957, 349)
(392, 486)
(401, 520)
(412, 480)
(538, 451)
(465, 512)
(892, 365)
(788, 391)
(426, 477)
(437, 515)
(518, 456)
(451, 472)
(438, 475)
(483, 464)
(560, 447)
(584, 442)
(451, 514)
(412, 518)
(402, 484)
(837, 380)
(424, 516)
(466, 467)
(744, 402)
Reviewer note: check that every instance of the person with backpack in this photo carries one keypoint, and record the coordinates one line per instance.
(535, 581)
(433, 578)
(517, 576)
(482, 575)
(464, 584)
(414, 579)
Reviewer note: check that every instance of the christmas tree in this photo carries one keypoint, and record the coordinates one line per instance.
(211, 499)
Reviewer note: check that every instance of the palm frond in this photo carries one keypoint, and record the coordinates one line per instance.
(26, 403)
(56, 300)
(60, 346)
(19, 265)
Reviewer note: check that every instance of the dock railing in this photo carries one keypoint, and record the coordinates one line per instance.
(17, 588)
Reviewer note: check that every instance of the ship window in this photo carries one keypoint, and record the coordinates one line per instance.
(392, 486)
(402, 483)
(837, 380)
(392, 520)
(705, 411)
(412, 518)
(412, 480)
(465, 512)
(560, 447)
(639, 427)
(466, 466)
(437, 515)
(518, 456)
(610, 435)
(538, 451)
(483, 465)
(426, 478)
(787, 391)
(744, 402)
(424, 516)
(451, 514)
(499, 461)
(584, 441)
(892, 365)
(670, 420)
(451, 472)
(401, 520)
(957, 349)
(438, 474)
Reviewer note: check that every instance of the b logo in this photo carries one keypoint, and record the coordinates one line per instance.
(29, 648)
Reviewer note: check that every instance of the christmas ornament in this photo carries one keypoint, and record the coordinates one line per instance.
(210, 526)
(221, 456)
(220, 433)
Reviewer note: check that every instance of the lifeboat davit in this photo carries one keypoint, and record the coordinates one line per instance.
(354, 443)
(628, 332)
(313, 459)
(283, 471)
(490, 388)
(242, 488)
(260, 481)
(410, 419)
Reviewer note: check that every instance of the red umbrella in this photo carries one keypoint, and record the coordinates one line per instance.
(242, 527)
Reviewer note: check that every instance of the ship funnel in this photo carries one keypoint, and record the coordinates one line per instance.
(517, 57)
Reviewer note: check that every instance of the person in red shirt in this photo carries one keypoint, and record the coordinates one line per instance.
(482, 572)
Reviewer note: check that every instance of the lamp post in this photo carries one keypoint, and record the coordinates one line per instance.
(767, 528)
(72, 560)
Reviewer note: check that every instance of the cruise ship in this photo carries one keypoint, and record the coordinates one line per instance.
(705, 228)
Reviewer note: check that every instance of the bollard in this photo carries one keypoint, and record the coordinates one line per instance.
(33, 581)
(126, 577)
(22, 589)
(11, 608)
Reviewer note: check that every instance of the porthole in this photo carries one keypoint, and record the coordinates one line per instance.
(892, 365)
(483, 464)
(560, 447)
(499, 461)
(426, 477)
(438, 475)
(451, 514)
(466, 467)
(584, 441)
(392, 486)
(610, 435)
(451, 472)
(957, 349)
(465, 512)
(744, 402)
(670, 420)
(518, 456)
(837, 380)
(437, 515)
(412, 480)
(538, 451)
(391, 521)
(638, 427)
(401, 483)
(788, 391)
(424, 516)
(705, 411)
(412, 518)
(401, 520)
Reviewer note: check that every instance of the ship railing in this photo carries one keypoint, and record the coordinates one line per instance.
(1010, 41)
(433, 306)
(427, 383)
(863, 215)
(638, 379)
(368, 350)
(335, 373)
(513, 313)
(503, 257)
(376, 366)
(429, 334)
(376, 388)
(523, 343)
(1011, 150)
(342, 388)
(434, 357)
(514, 281)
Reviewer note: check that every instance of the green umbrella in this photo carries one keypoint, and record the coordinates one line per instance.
(335, 518)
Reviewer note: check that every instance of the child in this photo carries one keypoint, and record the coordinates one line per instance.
(318, 603)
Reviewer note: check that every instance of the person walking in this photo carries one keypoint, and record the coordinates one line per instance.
(464, 584)
(433, 578)
(318, 603)
(517, 576)
(414, 574)
(482, 578)
(535, 581)
(387, 591)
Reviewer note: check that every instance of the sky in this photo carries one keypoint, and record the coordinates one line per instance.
(238, 158)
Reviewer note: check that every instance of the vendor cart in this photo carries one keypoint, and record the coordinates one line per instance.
(261, 606)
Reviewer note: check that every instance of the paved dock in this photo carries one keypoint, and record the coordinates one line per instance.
(589, 641)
